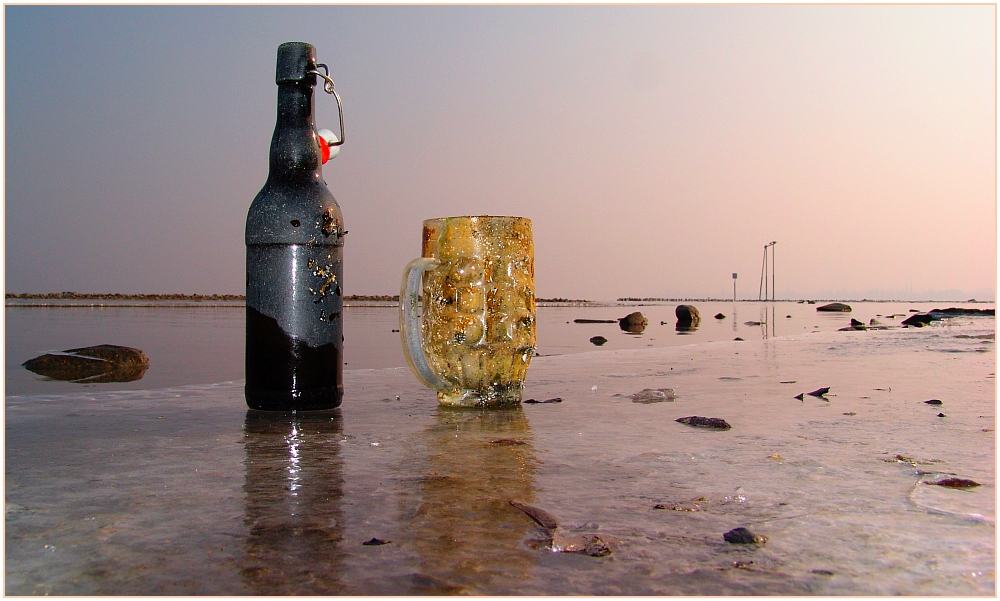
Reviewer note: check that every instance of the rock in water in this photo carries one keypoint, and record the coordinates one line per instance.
(651, 395)
(712, 423)
(950, 311)
(742, 536)
(720, 316)
(918, 320)
(92, 365)
(835, 307)
(540, 516)
(374, 542)
(934, 402)
(956, 483)
(633, 323)
(598, 340)
(687, 313)
(819, 391)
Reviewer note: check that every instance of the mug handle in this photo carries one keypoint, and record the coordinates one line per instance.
(409, 327)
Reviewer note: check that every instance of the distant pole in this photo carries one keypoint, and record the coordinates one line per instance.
(773, 289)
(734, 287)
(763, 268)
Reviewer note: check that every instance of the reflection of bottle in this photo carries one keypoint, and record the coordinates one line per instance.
(469, 537)
(293, 485)
(294, 238)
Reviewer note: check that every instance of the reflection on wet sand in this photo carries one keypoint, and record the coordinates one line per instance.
(469, 538)
(293, 484)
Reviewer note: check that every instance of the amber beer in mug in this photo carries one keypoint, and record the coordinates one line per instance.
(477, 335)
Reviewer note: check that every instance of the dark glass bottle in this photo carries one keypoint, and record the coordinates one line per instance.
(294, 238)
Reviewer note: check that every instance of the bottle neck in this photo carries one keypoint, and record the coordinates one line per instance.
(295, 152)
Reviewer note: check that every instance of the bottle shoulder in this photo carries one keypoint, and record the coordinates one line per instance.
(303, 212)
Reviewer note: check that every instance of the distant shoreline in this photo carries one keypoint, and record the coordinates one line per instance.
(395, 298)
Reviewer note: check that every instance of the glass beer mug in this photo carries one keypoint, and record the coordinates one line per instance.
(477, 334)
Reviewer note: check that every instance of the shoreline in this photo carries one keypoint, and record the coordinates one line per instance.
(557, 301)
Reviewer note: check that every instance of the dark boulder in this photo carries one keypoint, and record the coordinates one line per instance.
(720, 316)
(835, 307)
(598, 340)
(687, 313)
(918, 320)
(952, 311)
(92, 365)
(633, 323)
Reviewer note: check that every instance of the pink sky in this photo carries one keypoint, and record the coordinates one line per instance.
(655, 148)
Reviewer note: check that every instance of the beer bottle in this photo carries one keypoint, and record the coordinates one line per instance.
(294, 268)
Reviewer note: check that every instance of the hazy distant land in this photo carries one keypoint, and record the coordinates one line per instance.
(395, 298)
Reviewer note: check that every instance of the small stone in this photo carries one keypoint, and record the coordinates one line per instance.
(956, 483)
(934, 402)
(653, 395)
(553, 400)
(597, 548)
(720, 316)
(742, 536)
(712, 423)
(376, 541)
(942, 415)
(598, 340)
(738, 338)
(540, 516)
(819, 391)
(506, 442)
(822, 572)
(800, 396)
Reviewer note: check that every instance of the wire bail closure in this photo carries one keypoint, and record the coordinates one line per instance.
(328, 87)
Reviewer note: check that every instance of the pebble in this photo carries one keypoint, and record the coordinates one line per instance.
(742, 536)
(934, 402)
(553, 400)
(376, 541)
(653, 395)
(713, 423)
(956, 483)
(598, 340)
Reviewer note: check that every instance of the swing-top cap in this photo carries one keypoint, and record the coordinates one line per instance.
(295, 60)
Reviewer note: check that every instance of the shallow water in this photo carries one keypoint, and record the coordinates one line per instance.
(182, 490)
(191, 344)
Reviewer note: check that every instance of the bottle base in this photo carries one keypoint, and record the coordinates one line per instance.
(301, 400)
